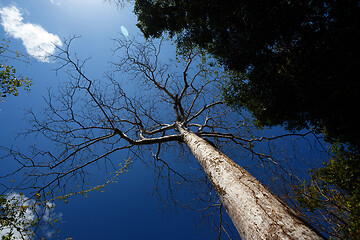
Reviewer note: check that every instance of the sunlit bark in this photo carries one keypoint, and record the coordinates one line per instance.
(254, 210)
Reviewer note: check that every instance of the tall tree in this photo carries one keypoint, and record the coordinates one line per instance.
(185, 110)
(296, 62)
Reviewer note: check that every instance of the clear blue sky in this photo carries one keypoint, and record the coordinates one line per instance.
(127, 209)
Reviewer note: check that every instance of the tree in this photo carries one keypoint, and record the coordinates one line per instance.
(109, 120)
(10, 82)
(334, 191)
(295, 62)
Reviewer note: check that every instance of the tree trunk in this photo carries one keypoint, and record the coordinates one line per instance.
(255, 211)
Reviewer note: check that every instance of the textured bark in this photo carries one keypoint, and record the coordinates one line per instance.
(254, 210)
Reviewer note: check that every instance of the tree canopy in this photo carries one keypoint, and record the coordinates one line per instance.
(295, 63)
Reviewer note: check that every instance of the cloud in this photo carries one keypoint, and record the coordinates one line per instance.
(124, 31)
(49, 213)
(38, 42)
(56, 2)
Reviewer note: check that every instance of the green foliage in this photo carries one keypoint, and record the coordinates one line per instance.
(334, 191)
(296, 62)
(16, 216)
(10, 81)
(25, 218)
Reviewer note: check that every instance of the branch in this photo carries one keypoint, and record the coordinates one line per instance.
(202, 110)
(149, 141)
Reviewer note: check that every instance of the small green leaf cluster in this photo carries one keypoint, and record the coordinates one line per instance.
(10, 81)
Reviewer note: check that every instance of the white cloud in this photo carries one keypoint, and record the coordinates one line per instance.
(56, 2)
(49, 213)
(124, 31)
(38, 42)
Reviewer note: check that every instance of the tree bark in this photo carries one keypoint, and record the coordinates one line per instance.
(255, 211)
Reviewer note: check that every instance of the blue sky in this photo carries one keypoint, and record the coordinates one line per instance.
(127, 209)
